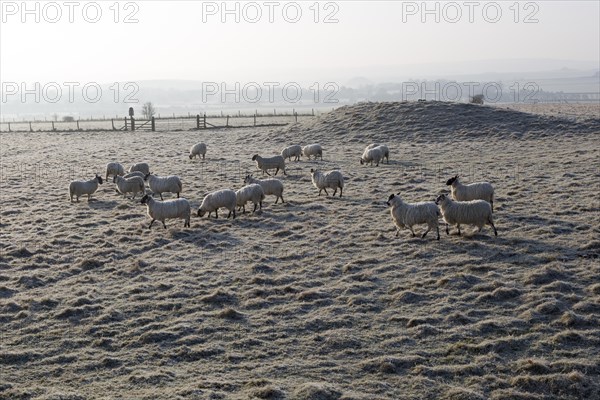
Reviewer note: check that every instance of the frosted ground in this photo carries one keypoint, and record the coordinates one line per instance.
(315, 298)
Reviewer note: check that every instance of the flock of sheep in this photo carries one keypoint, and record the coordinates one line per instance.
(468, 205)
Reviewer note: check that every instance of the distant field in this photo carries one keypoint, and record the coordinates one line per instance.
(314, 298)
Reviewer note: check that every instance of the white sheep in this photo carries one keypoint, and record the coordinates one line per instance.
(81, 188)
(225, 198)
(373, 155)
(265, 164)
(170, 209)
(292, 151)
(405, 215)
(473, 191)
(199, 149)
(312, 150)
(270, 186)
(384, 149)
(114, 168)
(253, 193)
(474, 212)
(133, 185)
(166, 184)
(134, 173)
(331, 179)
(144, 168)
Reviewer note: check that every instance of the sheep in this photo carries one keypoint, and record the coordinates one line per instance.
(270, 186)
(134, 173)
(292, 151)
(133, 185)
(225, 198)
(312, 150)
(142, 167)
(114, 168)
(161, 210)
(474, 212)
(265, 164)
(164, 184)
(331, 179)
(384, 150)
(80, 188)
(199, 149)
(253, 193)
(473, 191)
(405, 215)
(369, 156)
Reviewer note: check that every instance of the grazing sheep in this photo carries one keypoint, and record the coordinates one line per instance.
(331, 179)
(313, 150)
(133, 185)
(384, 150)
(135, 173)
(253, 193)
(170, 209)
(142, 167)
(292, 151)
(80, 188)
(405, 215)
(265, 164)
(474, 212)
(473, 191)
(370, 156)
(199, 149)
(114, 168)
(166, 184)
(225, 198)
(270, 186)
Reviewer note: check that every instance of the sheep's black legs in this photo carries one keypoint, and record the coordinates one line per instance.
(177, 194)
(150, 227)
(426, 232)
(458, 226)
(165, 226)
(341, 192)
(493, 227)
(253, 211)
(282, 199)
(411, 231)
(447, 230)
(276, 171)
(217, 214)
(438, 232)
(160, 196)
(397, 232)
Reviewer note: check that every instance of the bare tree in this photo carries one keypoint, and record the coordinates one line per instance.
(148, 110)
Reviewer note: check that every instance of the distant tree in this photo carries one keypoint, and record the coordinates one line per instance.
(477, 99)
(68, 118)
(148, 110)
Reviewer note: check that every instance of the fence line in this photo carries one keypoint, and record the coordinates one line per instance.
(189, 122)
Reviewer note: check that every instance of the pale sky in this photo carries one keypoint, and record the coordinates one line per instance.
(171, 41)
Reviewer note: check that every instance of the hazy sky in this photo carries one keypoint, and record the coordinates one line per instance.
(177, 40)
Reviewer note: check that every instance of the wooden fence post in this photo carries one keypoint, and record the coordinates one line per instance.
(204, 120)
(77, 124)
(30, 128)
(153, 125)
(197, 121)
(296, 115)
(112, 121)
(53, 126)
(227, 125)
(9, 126)
(254, 119)
(132, 124)
(125, 123)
